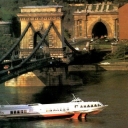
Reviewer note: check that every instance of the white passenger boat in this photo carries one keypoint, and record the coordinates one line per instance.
(75, 109)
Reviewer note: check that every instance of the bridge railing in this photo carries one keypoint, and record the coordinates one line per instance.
(16, 71)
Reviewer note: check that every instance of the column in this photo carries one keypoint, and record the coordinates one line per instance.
(75, 30)
(84, 28)
(115, 28)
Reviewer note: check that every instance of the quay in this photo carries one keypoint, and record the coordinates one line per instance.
(61, 77)
(117, 66)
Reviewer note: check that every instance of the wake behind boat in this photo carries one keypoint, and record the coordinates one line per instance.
(77, 108)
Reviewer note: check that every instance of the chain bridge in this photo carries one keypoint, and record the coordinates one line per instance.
(46, 48)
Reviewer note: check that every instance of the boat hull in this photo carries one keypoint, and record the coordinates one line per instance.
(76, 108)
(37, 116)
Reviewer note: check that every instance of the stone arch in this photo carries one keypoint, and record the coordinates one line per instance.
(109, 31)
(99, 30)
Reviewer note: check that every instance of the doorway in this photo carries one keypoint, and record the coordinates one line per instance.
(99, 30)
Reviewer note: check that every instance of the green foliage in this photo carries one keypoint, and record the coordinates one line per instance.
(5, 44)
(67, 34)
(10, 8)
(119, 53)
(122, 49)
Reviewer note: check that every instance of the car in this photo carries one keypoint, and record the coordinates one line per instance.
(105, 63)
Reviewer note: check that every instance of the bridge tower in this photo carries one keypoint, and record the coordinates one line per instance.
(40, 18)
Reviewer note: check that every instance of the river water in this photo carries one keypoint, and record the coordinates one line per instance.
(108, 87)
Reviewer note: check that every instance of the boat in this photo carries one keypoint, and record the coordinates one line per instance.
(75, 109)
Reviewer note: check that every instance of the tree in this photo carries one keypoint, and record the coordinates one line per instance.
(5, 43)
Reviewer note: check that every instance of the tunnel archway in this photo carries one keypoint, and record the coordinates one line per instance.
(99, 30)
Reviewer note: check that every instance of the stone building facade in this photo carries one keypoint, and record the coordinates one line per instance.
(96, 20)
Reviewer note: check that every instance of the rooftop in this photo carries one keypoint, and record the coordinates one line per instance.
(49, 6)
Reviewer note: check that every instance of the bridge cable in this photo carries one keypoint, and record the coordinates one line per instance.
(41, 36)
(16, 44)
(65, 40)
(37, 47)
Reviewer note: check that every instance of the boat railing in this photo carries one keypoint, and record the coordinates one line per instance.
(77, 100)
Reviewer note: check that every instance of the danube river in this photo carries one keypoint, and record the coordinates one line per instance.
(108, 87)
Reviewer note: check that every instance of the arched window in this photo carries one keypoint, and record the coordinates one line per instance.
(88, 106)
(95, 105)
(81, 106)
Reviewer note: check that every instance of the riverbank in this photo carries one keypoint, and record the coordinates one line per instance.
(117, 66)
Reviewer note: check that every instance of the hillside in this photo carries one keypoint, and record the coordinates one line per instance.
(10, 8)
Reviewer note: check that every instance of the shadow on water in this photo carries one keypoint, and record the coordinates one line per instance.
(52, 123)
(54, 94)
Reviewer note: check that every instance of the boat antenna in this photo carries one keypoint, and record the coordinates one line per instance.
(74, 96)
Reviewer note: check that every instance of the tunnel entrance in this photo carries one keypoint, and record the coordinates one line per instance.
(99, 30)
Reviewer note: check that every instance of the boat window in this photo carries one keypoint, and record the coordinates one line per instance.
(81, 106)
(11, 112)
(14, 112)
(21, 111)
(67, 109)
(99, 105)
(91, 105)
(76, 106)
(84, 106)
(18, 111)
(88, 106)
(95, 105)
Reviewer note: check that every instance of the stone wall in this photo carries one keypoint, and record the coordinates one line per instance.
(40, 17)
(94, 13)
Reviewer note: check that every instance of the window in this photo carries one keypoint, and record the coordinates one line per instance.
(95, 105)
(11, 112)
(18, 112)
(76, 106)
(99, 105)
